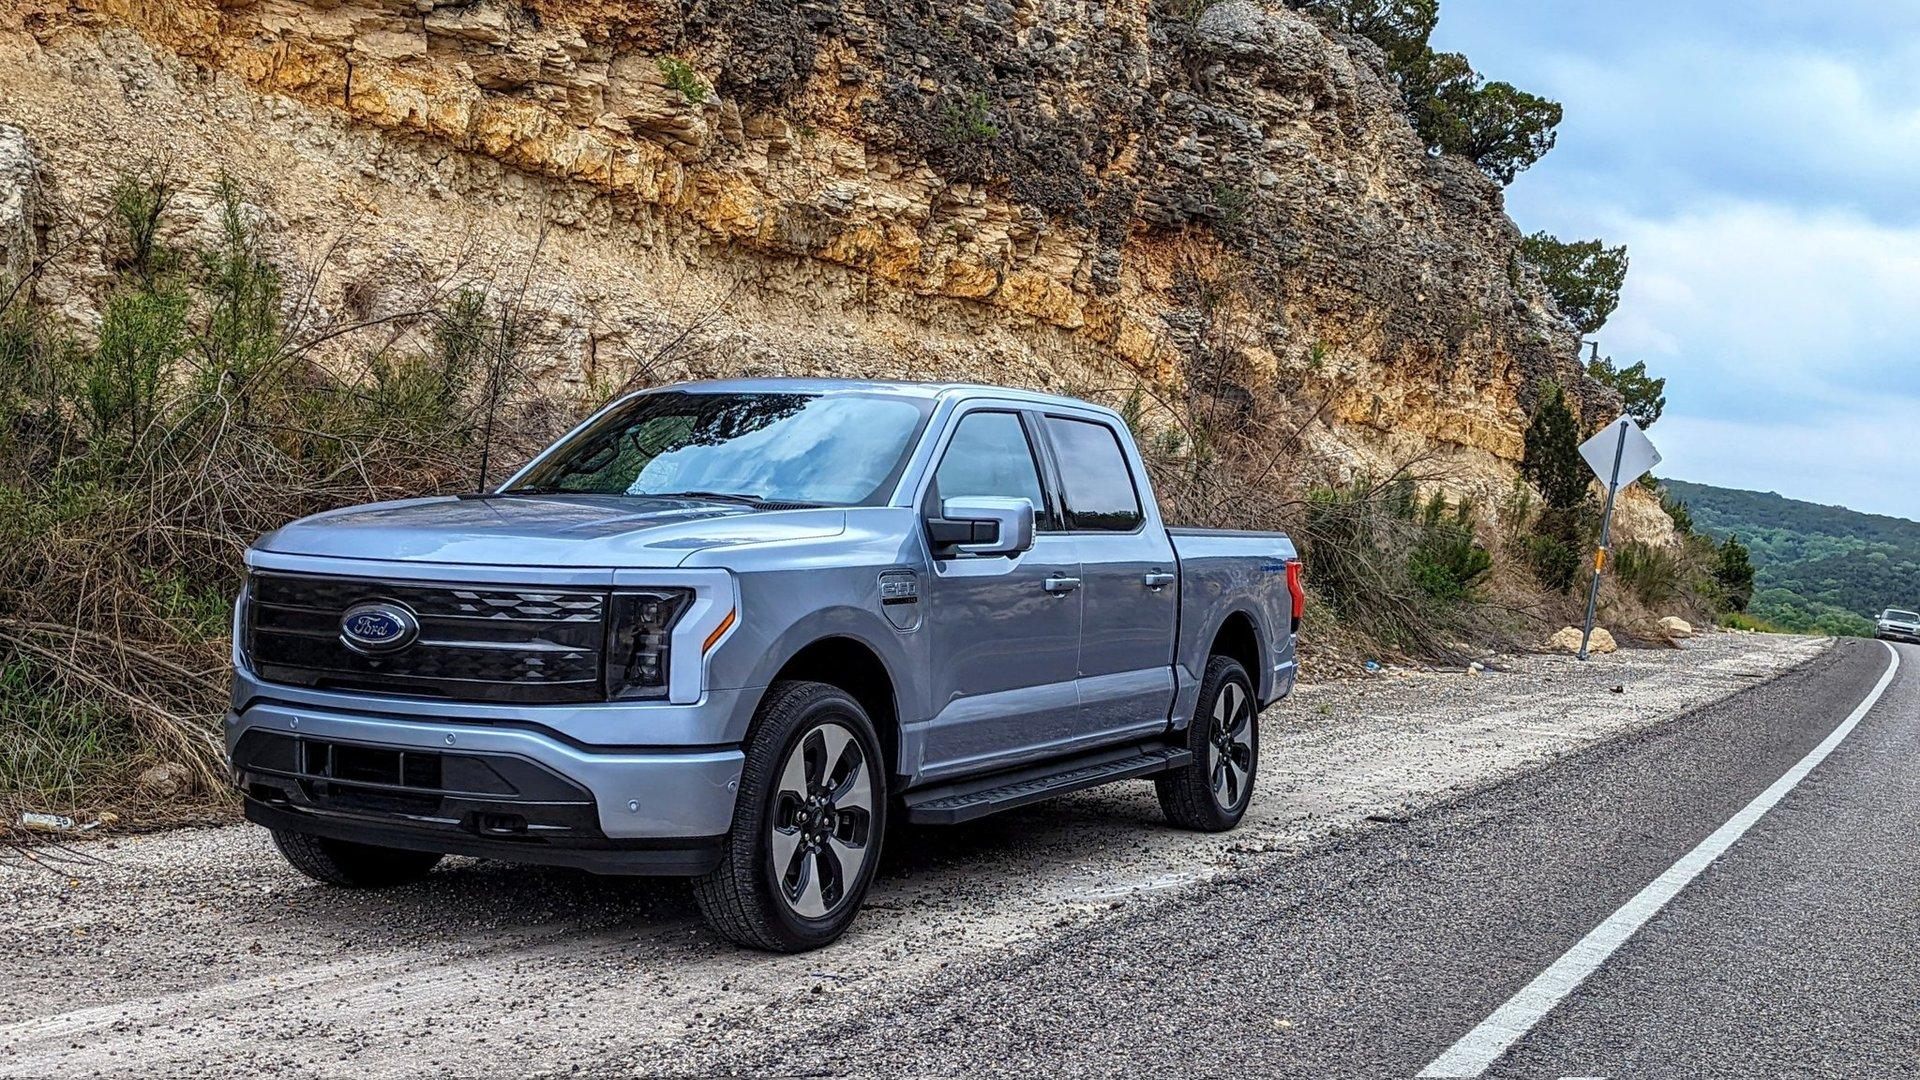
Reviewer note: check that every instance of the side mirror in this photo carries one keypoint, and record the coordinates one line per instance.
(982, 525)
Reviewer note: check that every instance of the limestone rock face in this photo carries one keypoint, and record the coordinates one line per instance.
(19, 209)
(1034, 192)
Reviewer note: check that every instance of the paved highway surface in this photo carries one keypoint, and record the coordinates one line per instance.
(1428, 849)
(1795, 953)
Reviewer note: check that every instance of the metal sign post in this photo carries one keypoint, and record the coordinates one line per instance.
(1621, 453)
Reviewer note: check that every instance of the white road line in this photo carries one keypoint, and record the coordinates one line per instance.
(1485, 1044)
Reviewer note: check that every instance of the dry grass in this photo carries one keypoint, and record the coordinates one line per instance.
(216, 402)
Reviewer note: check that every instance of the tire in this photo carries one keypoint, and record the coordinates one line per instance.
(1211, 794)
(813, 798)
(350, 865)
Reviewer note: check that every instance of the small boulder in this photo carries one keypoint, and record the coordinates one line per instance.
(1567, 640)
(1675, 627)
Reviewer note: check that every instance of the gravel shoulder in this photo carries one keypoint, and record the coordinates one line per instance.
(199, 953)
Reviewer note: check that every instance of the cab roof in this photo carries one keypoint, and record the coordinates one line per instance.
(902, 387)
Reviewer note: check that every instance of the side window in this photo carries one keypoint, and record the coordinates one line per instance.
(1095, 482)
(989, 455)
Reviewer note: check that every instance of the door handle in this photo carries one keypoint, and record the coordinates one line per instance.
(1061, 585)
(1157, 580)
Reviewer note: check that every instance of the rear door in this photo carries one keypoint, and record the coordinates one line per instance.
(1005, 629)
(1128, 575)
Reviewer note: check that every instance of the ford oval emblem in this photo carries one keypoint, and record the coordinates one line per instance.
(379, 626)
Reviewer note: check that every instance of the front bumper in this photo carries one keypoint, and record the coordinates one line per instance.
(1886, 634)
(476, 789)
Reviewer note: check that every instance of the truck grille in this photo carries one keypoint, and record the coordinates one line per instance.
(474, 644)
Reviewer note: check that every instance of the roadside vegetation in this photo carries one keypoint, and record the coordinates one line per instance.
(139, 458)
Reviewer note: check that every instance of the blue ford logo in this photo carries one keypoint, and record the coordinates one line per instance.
(379, 626)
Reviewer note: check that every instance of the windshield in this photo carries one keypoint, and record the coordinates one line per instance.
(1900, 616)
(814, 449)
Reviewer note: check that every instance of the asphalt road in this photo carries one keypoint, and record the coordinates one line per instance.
(1796, 953)
(1422, 843)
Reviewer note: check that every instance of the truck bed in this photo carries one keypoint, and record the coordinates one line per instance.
(1236, 569)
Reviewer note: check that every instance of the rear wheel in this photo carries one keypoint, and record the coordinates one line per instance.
(1211, 793)
(807, 826)
(350, 865)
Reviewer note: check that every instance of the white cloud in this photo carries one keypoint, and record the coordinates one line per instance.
(1680, 121)
(1770, 308)
(1675, 104)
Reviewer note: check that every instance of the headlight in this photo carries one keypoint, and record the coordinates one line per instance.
(639, 638)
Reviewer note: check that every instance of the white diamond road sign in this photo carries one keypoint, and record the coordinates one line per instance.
(1637, 454)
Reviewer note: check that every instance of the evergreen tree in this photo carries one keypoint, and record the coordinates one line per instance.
(1733, 570)
(1498, 127)
(1400, 27)
(1584, 276)
(1644, 397)
(1551, 457)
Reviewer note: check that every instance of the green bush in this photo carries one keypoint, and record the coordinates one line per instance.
(137, 464)
(1733, 572)
(1400, 27)
(1556, 563)
(1446, 561)
(1555, 542)
(969, 120)
(1497, 126)
(1677, 511)
(1644, 397)
(53, 744)
(142, 337)
(138, 204)
(1401, 570)
(1739, 620)
(1657, 575)
(679, 75)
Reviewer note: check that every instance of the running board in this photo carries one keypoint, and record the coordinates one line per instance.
(964, 800)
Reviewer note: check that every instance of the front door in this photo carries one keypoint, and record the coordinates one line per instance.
(1005, 629)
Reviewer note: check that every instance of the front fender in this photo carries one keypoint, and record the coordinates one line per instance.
(763, 644)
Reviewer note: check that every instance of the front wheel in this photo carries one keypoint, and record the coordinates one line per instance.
(1211, 793)
(806, 827)
(350, 865)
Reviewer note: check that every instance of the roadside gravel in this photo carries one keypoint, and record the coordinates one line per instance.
(199, 953)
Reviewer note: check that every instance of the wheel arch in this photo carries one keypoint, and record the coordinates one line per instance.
(1238, 637)
(852, 665)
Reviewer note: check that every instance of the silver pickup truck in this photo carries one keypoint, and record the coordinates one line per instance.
(731, 630)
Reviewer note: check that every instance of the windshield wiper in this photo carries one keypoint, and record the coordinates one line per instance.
(723, 496)
(510, 494)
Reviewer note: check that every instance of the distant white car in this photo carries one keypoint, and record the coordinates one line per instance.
(1897, 625)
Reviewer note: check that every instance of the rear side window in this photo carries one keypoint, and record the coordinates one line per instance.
(989, 455)
(1094, 480)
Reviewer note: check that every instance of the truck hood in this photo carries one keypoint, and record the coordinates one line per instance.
(551, 531)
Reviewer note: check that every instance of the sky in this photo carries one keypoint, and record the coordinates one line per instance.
(1761, 161)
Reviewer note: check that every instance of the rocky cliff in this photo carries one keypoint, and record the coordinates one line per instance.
(1054, 193)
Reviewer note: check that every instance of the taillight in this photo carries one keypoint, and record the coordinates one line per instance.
(1298, 590)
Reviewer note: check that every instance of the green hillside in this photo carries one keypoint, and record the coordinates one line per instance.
(1823, 568)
